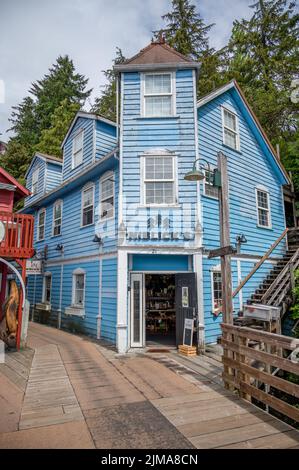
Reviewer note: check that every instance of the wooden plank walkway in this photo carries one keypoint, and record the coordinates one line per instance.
(49, 397)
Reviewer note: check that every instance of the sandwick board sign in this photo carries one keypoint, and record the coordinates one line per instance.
(188, 332)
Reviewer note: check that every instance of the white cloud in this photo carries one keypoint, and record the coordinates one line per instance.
(33, 33)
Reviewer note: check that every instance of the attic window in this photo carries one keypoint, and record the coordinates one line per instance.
(78, 149)
(230, 125)
(158, 95)
(34, 185)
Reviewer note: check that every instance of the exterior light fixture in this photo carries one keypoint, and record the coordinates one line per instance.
(59, 247)
(97, 239)
(240, 239)
(198, 174)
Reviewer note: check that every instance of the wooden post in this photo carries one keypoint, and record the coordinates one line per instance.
(225, 241)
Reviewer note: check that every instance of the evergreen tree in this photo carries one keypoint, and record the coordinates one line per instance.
(52, 137)
(16, 159)
(24, 122)
(105, 105)
(61, 82)
(264, 59)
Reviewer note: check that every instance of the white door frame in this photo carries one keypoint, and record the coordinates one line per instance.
(141, 343)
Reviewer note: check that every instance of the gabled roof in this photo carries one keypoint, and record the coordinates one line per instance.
(20, 191)
(235, 87)
(158, 54)
(86, 114)
(45, 158)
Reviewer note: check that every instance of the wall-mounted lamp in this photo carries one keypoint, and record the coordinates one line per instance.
(240, 239)
(59, 247)
(97, 239)
(198, 174)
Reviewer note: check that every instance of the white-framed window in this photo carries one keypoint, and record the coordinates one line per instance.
(87, 205)
(158, 92)
(159, 181)
(41, 224)
(263, 208)
(47, 288)
(57, 218)
(78, 293)
(216, 281)
(34, 185)
(107, 196)
(230, 124)
(209, 189)
(77, 156)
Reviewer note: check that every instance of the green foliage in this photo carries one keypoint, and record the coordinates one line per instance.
(105, 105)
(52, 137)
(295, 308)
(16, 159)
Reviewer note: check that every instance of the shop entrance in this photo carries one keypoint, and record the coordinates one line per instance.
(160, 314)
(159, 304)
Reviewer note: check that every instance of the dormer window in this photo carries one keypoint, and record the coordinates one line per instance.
(34, 186)
(158, 94)
(77, 149)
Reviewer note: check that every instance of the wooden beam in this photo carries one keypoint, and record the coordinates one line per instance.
(223, 251)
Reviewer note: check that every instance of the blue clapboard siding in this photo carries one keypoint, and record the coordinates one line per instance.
(105, 138)
(176, 134)
(247, 169)
(34, 289)
(39, 164)
(53, 176)
(109, 299)
(87, 125)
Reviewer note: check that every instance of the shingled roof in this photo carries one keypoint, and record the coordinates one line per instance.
(157, 53)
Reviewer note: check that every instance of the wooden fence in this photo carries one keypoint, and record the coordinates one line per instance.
(253, 370)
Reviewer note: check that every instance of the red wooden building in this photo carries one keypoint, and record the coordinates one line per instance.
(16, 240)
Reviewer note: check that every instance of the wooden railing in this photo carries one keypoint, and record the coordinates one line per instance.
(18, 235)
(250, 370)
(261, 261)
(283, 284)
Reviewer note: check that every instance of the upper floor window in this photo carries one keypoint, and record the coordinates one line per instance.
(34, 185)
(209, 189)
(41, 223)
(57, 218)
(78, 294)
(263, 208)
(230, 125)
(78, 149)
(47, 288)
(158, 94)
(87, 205)
(159, 180)
(107, 197)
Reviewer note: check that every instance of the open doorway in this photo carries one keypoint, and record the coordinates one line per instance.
(160, 310)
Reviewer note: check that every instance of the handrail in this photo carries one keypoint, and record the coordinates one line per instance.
(278, 285)
(18, 235)
(261, 261)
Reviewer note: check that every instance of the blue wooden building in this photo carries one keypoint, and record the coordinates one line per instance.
(124, 238)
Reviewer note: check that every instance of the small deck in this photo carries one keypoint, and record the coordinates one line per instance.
(18, 236)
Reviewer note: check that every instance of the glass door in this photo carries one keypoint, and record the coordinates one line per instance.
(137, 318)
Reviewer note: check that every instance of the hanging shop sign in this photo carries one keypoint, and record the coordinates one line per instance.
(34, 266)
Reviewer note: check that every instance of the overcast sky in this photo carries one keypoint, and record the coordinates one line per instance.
(34, 32)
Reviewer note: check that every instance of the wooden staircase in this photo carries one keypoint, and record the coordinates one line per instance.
(276, 289)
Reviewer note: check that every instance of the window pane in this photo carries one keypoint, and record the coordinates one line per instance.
(57, 211)
(42, 218)
(263, 217)
(107, 208)
(88, 197)
(159, 193)
(87, 216)
(230, 138)
(159, 168)
(217, 289)
(107, 189)
(157, 84)
(158, 106)
(230, 120)
(262, 199)
(78, 142)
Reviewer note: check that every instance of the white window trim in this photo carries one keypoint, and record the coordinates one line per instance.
(142, 180)
(85, 188)
(59, 201)
(47, 274)
(80, 131)
(107, 176)
(172, 94)
(35, 172)
(74, 274)
(265, 190)
(216, 198)
(38, 225)
(237, 131)
(215, 269)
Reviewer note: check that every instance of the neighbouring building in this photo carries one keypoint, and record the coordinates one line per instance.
(124, 238)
